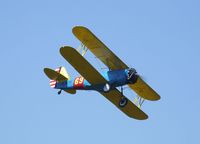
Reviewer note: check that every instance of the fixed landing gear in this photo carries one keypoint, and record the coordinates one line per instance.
(123, 101)
(59, 92)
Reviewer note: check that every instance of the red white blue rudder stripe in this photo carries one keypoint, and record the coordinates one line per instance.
(53, 82)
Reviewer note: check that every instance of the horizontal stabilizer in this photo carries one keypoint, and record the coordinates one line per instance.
(58, 75)
(71, 91)
(53, 75)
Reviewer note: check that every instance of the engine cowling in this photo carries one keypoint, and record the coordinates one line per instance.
(132, 75)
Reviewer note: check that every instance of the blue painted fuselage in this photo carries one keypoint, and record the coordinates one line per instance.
(114, 78)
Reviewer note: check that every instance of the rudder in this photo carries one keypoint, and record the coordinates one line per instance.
(58, 75)
(61, 70)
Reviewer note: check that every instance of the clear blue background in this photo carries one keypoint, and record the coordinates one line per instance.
(161, 39)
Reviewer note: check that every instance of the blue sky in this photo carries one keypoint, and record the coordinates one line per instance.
(158, 38)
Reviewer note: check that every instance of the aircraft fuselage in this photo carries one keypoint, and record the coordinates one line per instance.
(115, 78)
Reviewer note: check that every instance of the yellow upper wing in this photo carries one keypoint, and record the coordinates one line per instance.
(101, 51)
(94, 77)
(98, 48)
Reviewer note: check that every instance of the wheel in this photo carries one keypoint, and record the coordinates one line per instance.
(123, 102)
(59, 92)
(106, 88)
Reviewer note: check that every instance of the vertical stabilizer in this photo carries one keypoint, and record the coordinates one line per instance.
(58, 75)
(63, 72)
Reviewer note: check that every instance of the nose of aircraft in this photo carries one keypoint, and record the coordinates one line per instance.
(131, 75)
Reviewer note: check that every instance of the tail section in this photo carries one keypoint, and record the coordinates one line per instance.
(61, 70)
(52, 83)
(58, 75)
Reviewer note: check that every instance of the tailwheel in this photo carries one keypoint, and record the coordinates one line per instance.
(59, 92)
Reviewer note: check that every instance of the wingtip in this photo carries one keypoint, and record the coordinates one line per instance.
(156, 98)
(79, 29)
(65, 49)
(141, 116)
(144, 116)
(62, 49)
(46, 71)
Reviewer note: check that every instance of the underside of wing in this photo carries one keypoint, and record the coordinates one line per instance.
(130, 109)
(98, 48)
(144, 90)
(82, 65)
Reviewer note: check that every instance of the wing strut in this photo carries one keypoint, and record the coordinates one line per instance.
(82, 49)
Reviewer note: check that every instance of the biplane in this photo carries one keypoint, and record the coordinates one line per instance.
(110, 84)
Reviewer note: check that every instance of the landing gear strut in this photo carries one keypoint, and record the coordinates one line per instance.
(59, 92)
(123, 101)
